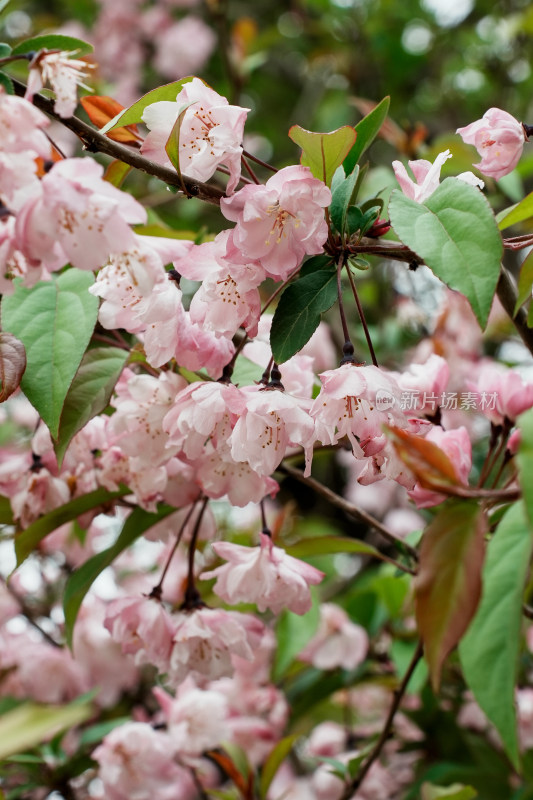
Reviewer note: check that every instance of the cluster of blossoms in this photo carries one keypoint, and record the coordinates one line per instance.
(184, 444)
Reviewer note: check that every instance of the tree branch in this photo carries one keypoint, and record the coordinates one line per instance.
(95, 142)
(385, 733)
(348, 508)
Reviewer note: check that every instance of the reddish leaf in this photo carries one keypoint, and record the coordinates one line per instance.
(448, 585)
(243, 784)
(101, 110)
(116, 172)
(12, 364)
(431, 465)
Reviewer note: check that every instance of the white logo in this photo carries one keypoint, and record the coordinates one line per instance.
(384, 400)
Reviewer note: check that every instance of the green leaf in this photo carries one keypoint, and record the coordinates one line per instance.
(4, 4)
(367, 130)
(81, 580)
(332, 544)
(29, 724)
(448, 584)
(489, 651)
(172, 146)
(402, 654)
(298, 313)
(54, 320)
(6, 514)
(27, 540)
(314, 264)
(524, 459)
(293, 632)
(517, 213)
(456, 791)
(5, 49)
(341, 200)
(7, 83)
(323, 152)
(246, 372)
(455, 233)
(134, 114)
(275, 758)
(525, 281)
(53, 41)
(89, 393)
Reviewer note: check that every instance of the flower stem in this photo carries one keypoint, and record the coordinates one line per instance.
(362, 317)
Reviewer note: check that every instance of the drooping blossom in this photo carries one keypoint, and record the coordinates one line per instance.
(206, 639)
(427, 177)
(64, 74)
(21, 126)
(170, 333)
(499, 139)
(130, 276)
(501, 393)
(136, 761)
(264, 575)
(196, 718)
(278, 223)
(77, 217)
(356, 402)
(143, 628)
(458, 447)
(200, 411)
(210, 134)
(271, 422)
(339, 642)
(219, 475)
(423, 384)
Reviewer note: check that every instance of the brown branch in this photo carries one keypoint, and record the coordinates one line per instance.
(385, 733)
(95, 142)
(350, 509)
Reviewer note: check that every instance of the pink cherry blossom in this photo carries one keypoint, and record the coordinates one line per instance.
(200, 411)
(143, 628)
(220, 476)
(21, 127)
(64, 74)
(170, 333)
(338, 641)
(356, 402)
(271, 422)
(263, 575)
(136, 761)
(77, 217)
(184, 47)
(427, 177)
(210, 135)
(196, 718)
(280, 222)
(205, 641)
(458, 447)
(425, 384)
(131, 276)
(502, 393)
(499, 139)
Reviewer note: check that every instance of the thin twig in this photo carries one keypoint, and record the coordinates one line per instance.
(157, 590)
(28, 614)
(264, 164)
(385, 733)
(350, 509)
(362, 318)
